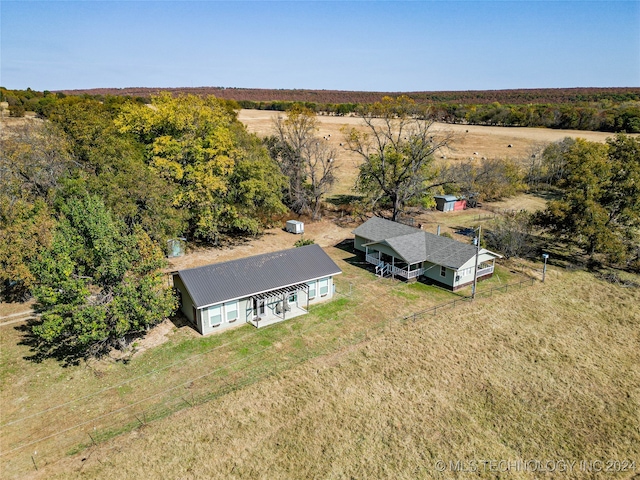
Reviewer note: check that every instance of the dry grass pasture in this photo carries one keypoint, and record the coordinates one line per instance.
(549, 372)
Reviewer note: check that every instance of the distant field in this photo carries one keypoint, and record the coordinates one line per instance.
(470, 141)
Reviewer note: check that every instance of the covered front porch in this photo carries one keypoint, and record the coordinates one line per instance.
(278, 305)
(391, 265)
(486, 268)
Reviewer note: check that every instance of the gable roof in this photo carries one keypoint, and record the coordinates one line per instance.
(418, 246)
(244, 277)
(377, 229)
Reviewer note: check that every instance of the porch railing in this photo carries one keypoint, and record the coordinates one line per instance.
(485, 271)
(373, 259)
(407, 273)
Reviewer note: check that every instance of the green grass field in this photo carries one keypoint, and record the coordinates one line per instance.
(543, 372)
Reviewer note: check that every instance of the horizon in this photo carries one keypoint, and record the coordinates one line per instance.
(334, 90)
(400, 47)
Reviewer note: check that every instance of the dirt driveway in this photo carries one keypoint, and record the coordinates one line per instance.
(325, 233)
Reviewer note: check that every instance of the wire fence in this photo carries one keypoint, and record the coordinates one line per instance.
(432, 311)
(31, 442)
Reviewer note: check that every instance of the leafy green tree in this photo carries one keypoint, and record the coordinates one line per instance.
(600, 209)
(397, 150)
(97, 285)
(112, 165)
(25, 233)
(553, 165)
(484, 179)
(197, 144)
(33, 160)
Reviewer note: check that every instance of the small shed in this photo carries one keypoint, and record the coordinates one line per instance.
(294, 226)
(449, 203)
(176, 247)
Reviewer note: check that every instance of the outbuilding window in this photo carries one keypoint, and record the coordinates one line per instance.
(443, 271)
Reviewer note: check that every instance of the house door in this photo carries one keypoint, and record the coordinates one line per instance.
(258, 307)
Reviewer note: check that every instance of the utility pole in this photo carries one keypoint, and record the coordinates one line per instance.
(475, 271)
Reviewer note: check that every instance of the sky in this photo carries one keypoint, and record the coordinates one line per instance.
(387, 46)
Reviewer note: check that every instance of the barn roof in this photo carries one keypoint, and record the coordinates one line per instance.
(244, 277)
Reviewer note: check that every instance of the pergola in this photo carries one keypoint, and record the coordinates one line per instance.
(281, 293)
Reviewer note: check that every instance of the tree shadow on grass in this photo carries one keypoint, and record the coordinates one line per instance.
(40, 351)
(179, 321)
(358, 259)
(343, 200)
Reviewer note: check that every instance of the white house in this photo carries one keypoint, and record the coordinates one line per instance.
(260, 290)
(400, 250)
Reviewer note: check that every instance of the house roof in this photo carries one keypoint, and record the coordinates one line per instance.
(377, 229)
(244, 277)
(418, 246)
(447, 198)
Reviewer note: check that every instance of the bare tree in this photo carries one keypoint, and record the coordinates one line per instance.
(307, 160)
(397, 149)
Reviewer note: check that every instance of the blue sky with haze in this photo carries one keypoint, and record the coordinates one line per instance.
(376, 46)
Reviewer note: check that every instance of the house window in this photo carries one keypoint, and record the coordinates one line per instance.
(215, 315)
(443, 271)
(232, 311)
(323, 286)
(293, 297)
(312, 290)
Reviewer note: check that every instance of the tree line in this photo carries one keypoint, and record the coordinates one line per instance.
(583, 109)
(604, 116)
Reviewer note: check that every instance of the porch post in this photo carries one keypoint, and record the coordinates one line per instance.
(392, 266)
(284, 308)
(366, 250)
(307, 289)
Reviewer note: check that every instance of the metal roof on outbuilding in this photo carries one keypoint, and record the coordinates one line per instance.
(244, 277)
(447, 198)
